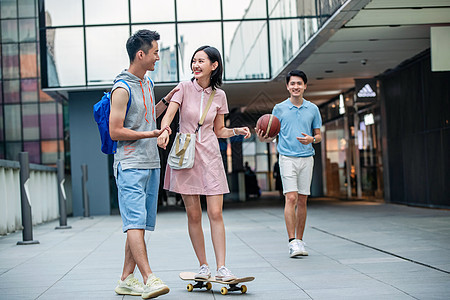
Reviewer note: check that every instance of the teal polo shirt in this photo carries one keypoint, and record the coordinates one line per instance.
(295, 120)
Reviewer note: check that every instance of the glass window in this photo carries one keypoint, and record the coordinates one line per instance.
(144, 11)
(10, 59)
(191, 10)
(286, 38)
(27, 8)
(49, 152)
(105, 62)
(11, 89)
(12, 150)
(29, 90)
(28, 63)
(9, 31)
(34, 151)
(55, 12)
(166, 67)
(30, 121)
(13, 123)
(246, 50)
(190, 39)
(292, 8)
(2, 138)
(27, 30)
(2, 150)
(244, 9)
(113, 11)
(65, 57)
(8, 9)
(1, 93)
(48, 121)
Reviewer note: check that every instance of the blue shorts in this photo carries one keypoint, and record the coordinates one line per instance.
(138, 197)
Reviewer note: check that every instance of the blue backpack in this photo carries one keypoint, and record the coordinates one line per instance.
(101, 115)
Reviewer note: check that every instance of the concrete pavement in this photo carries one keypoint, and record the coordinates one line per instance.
(358, 250)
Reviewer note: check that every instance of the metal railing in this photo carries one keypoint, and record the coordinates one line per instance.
(43, 195)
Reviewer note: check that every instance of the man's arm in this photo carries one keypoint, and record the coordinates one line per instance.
(307, 139)
(164, 102)
(119, 101)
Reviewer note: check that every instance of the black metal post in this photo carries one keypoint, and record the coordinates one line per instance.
(27, 223)
(62, 196)
(84, 179)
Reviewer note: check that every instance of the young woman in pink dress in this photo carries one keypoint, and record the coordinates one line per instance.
(207, 176)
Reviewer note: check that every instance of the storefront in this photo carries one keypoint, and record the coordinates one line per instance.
(351, 148)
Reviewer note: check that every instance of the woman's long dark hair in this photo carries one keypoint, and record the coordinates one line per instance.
(213, 55)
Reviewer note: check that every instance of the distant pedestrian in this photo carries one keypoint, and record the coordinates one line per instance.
(136, 162)
(207, 176)
(300, 128)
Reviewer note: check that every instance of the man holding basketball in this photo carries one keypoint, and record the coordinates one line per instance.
(300, 128)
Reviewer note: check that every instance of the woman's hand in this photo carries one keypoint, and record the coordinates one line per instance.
(163, 138)
(245, 131)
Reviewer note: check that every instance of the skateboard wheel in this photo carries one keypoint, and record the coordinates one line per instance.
(243, 289)
(208, 286)
(224, 291)
(190, 287)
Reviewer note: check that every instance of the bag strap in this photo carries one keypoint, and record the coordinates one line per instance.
(208, 105)
(180, 152)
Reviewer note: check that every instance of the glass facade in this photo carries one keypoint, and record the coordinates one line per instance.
(30, 119)
(352, 165)
(256, 37)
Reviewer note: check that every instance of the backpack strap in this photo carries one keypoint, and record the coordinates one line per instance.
(129, 93)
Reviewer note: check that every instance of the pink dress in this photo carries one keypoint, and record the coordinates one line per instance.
(207, 176)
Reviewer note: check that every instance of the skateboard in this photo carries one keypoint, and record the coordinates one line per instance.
(206, 283)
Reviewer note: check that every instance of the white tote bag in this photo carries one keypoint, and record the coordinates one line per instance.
(182, 153)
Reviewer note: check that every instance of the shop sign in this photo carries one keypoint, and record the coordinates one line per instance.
(366, 90)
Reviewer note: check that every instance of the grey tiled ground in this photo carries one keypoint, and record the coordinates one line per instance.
(358, 250)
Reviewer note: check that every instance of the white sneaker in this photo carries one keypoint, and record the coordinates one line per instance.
(130, 286)
(154, 287)
(203, 273)
(224, 274)
(297, 248)
(301, 245)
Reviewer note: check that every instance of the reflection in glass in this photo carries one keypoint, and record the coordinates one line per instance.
(246, 50)
(28, 63)
(55, 12)
(11, 88)
(192, 36)
(191, 10)
(29, 90)
(30, 122)
(27, 8)
(34, 151)
(27, 30)
(49, 151)
(65, 57)
(286, 38)
(292, 8)
(48, 121)
(9, 31)
(113, 11)
(243, 9)
(8, 9)
(144, 11)
(13, 122)
(166, 67)
(106, 53)
(12, 150)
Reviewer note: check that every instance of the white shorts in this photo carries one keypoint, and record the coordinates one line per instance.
(296, 174)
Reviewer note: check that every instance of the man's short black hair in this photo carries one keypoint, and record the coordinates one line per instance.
(297, 73)
(141, 40)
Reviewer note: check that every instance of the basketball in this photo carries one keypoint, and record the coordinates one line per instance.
(269, 123)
